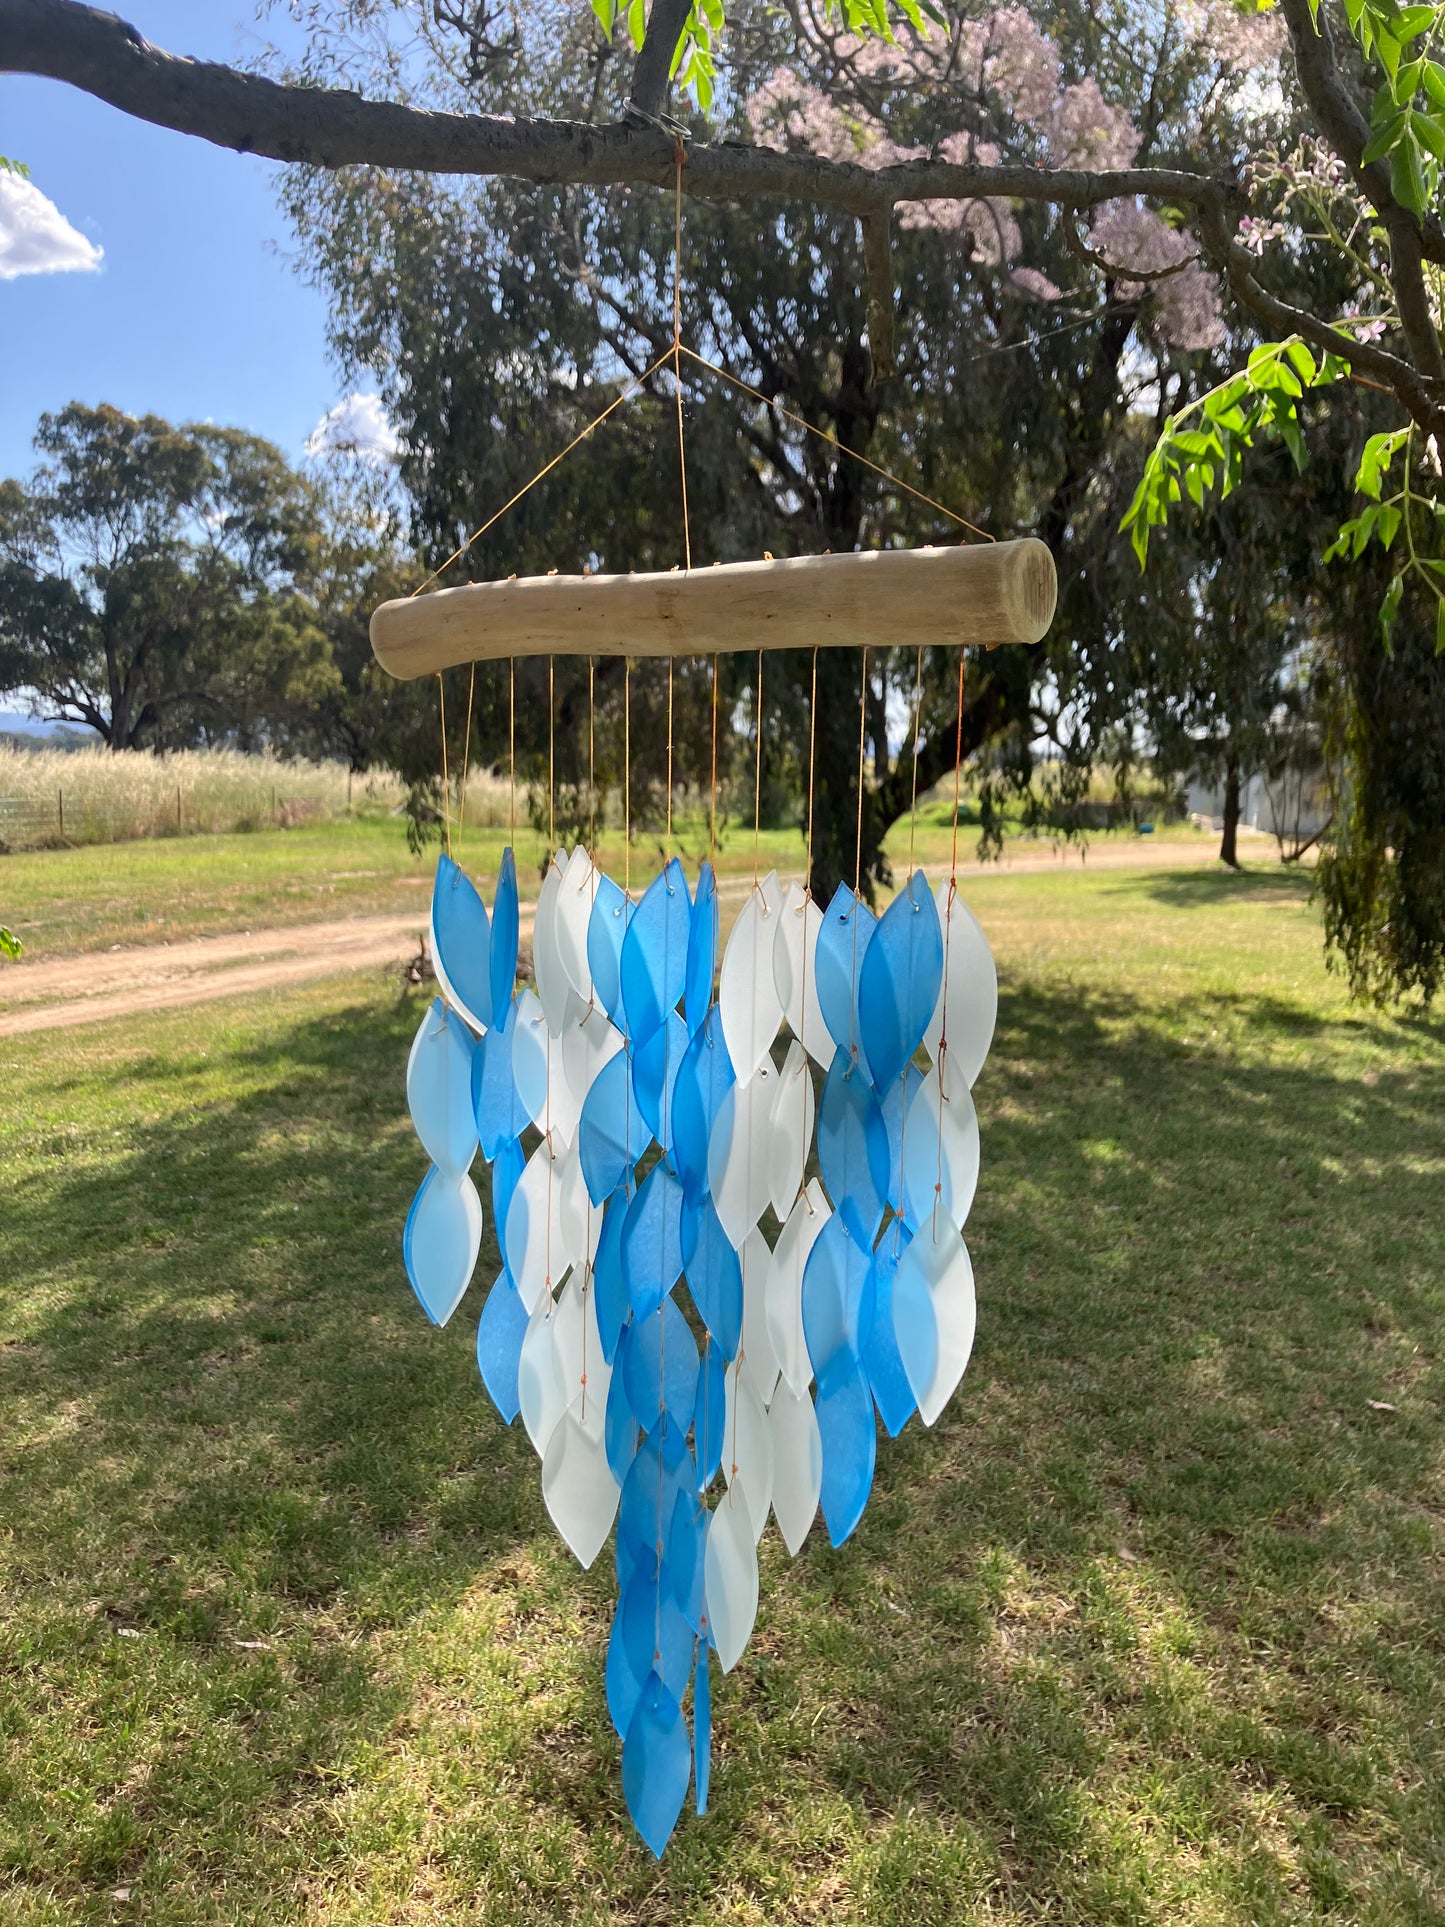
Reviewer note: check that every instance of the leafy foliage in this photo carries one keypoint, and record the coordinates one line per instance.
(10, 944)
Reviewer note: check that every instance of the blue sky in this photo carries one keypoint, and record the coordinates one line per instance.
(194, 310)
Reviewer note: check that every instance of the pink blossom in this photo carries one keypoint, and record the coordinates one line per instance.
(1085, 131)
(1186, 305)
(1244, 41)
(1037, 286)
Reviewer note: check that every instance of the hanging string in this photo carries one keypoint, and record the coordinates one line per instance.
(446, 780)
(947, 934)
(913, 798)
(627, 777)
(957, 768)
(862, 726)
(712, 819)
(669, 756)
(812, 742)
(591, 758)
(466, 754)
(677, 348)
(512, 748)
(758, 772)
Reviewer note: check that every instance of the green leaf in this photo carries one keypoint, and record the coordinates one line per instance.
(1389, 525)
(1386, 139)
(1407, 177)
(637, 22)
(1440, 627)
(1433, 81)
(1429, 132)
(1390, 607)
(606, 11)
(10, 944)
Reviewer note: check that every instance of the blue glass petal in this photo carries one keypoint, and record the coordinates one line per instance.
(606, 928)
(607, 1275)
(439, 1075)
(714, 1274)
(702, 1724)
(496, 1102)
(853, 1149)
(656, 1765)
(624, 1688)
(711, 1412)
(438, 1242)
(841, 950)
(500, 1332)
(655, 1628)
(702, 950)
(686, 1545)
(654, 951)
(661, 1469)
(655, 1063)
(507, 1168)
(652, 1241)
(899, 980)
(703, 1079)
(505, 921)
(620, 1426)
(891, 1102)
(850, 1445)
(882, 1365)
(915, 1324)
(612, 1132)
(660, 1367)
(837, 1302)
(462, 942)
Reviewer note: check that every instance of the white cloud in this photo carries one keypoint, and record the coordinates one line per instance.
(35, 237)
(356, 426)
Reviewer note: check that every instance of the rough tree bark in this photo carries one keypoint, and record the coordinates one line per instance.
(1229, 842)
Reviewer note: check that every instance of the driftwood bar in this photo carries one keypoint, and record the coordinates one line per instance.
(987, 593)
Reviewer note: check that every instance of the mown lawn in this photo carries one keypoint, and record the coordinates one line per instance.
(1148, 1629)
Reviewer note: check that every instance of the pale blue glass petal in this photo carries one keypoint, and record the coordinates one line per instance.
(711, 1413)
(660, 1367)
(439, 1242)
(661, 1468)
(502, 1327)
(892, 1103)
(624, 1688)
(655, 1064)
(654, 951)
(701, 950)
(882, 1365)
(652, 1241)
(702, 1725)
(837, 1302)
(850, 1445)
(853, 1149)
(714, 1274)
(606, 928)
(915, 1325)
(703, 1080)
(506, 918)
(462, 942)
(840, 953)
(656, 1765)
(439, 1089)
(608, 1281)
(612, 1133)
(620, 1426)
(899, 980)
(507, 1168)
(655, 1627)
(686, 1543)
(497, 1105)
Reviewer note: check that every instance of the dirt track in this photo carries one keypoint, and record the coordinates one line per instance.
(99, 985)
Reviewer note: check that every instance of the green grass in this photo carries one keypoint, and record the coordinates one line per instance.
(1148, 1629)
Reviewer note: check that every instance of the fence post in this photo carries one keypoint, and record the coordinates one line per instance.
(62, 812)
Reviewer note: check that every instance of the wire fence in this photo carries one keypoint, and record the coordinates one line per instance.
(38, 823)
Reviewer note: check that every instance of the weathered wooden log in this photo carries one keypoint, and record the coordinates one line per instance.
(988, 593)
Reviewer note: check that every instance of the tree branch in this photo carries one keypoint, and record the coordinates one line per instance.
(651, 76)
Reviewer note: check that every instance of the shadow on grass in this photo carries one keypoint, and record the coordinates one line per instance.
(1192, 889)
(1195, 1269)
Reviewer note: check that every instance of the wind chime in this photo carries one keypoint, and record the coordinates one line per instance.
(663, 1128)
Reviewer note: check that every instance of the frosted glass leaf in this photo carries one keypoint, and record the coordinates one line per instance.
(850, 1444)
(701, 950)
(655, 1064)
(531, 1058)
(612, 1133)
(714, 1275)
(656, 1765)
(703, 1078)
(507, 1168)
(624, 1688)
(574, 917)
(747, 991)
(607, 1278)
(940, 1152)
(662, 1469)
(547, 971)
(533, 1243)
(654, 951)
(882, 1363)
(843, 940)
(652, 1241)
(797, 1465)
(899, 980)
(584, 1373)
(541, 1395)
(892, 1104)
(795, 969)
(506, 921)
(737, 1154)
(853, 1149)
(439, 1090)
(686, 1548)
(935, 1268)
(969, 994)
(710, 1412)
(589, 1041)
(578, 1488)
(757, 1268)
(654, 1625)
(500, 1332)
(790, 1129)
(461, 944)
(702, 1728)
(440, 1242)
(837, 1302)
(662, 1367)
(731, 1564)
(606, 927)
(619, 1422)
(497, 1108)
(748, 1444)
(581, 1219)
(785, 1285)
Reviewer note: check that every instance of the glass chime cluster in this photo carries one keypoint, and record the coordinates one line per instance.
(667, 1132)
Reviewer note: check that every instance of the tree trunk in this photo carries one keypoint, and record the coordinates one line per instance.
(1228, 845)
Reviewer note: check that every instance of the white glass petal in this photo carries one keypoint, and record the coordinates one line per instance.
(439, 1091)
(589, 1040)
(748, 1444)
(539, 1384)
(937, 1262)
(785, 1285)
(940, 1150)
(747, 994)
(547, 971)
(794, 950)
(578, 1486)
(737, 1155)
(730, 1566)
(790, 1128)
(581, 1219)
(797, 1464)
(574, 911)
(968, 996)
(757, 1267)
(529, 1056)
(533, 1241)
